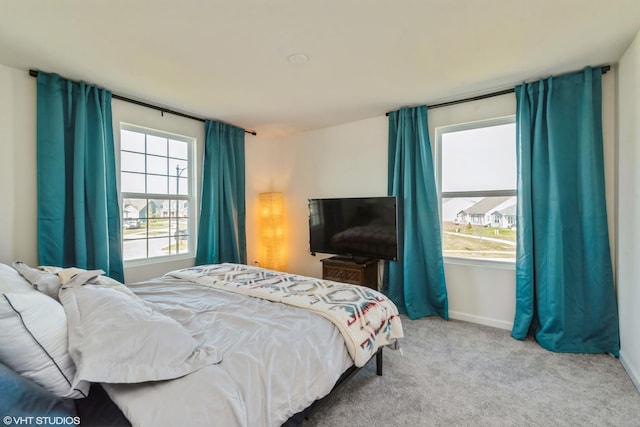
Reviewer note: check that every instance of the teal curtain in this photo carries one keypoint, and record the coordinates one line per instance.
(416, 282)
(78, 208)
(222, 234)
(564, 282)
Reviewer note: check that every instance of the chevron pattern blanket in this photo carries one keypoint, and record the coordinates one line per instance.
(366, 318)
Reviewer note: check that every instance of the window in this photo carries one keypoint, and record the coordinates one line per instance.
(477, 183)
(156, 187)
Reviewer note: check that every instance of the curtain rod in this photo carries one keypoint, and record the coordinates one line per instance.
(34, 73)
(605, 69)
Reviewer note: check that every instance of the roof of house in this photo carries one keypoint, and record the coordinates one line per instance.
(510, 210)
(486, 205)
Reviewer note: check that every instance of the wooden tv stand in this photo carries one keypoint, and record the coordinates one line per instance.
(347, 270)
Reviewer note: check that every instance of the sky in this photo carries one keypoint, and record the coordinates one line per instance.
(479, 159)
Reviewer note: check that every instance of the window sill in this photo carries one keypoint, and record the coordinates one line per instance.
(483, 263)
(158, 260)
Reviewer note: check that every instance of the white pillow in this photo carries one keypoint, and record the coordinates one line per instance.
(44, 281)
(139, 344)
(33, 336)
(12, 281)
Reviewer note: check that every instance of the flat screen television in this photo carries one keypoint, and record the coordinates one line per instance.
(359, 227)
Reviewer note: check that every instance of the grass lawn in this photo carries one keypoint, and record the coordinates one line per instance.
(478, 241)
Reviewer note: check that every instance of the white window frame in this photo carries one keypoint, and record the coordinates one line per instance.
(439, 132)
(189, 197)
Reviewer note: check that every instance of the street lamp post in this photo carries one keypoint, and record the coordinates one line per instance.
(179, 171)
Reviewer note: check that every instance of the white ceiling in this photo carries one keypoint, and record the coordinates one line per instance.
(228, 60)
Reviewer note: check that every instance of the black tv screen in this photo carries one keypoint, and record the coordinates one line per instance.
(359, 227)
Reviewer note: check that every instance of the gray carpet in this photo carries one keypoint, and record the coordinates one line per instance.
(453, 373)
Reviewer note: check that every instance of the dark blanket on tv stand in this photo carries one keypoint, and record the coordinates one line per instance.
(369, 239)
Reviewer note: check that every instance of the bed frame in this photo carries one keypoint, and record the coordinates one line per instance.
(297, 419)
(97, 410)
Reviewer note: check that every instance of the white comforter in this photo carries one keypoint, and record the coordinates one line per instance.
(367, 319)
(266, 361)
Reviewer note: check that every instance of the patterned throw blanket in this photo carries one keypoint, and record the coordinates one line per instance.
(366, 319)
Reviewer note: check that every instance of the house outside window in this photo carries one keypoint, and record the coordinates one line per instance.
(157, 193)
(477, 185)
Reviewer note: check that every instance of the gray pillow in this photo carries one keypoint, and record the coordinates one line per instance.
(45, 282)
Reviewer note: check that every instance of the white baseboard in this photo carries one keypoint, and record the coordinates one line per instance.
(487, 321)
(635, 377)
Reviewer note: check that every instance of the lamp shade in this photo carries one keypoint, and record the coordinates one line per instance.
(272, 245)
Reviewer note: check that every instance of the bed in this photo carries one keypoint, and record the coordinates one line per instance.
(225, 344)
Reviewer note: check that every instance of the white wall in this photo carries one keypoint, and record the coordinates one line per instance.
(478, 293)
(127, 112)
(628, 269)
(346, 160)
(261, 157)
(18, 237)
(18, 186)
(351, 160)
(341, 161)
